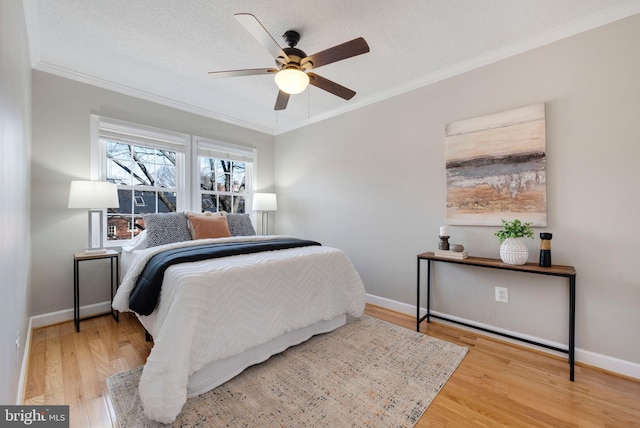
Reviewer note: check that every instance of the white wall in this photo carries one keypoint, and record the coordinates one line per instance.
(372, 182)
(61, 153)
(15, 122)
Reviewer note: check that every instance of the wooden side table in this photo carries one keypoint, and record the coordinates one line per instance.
(114, 257)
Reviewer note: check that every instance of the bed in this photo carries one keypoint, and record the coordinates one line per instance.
(216, 317)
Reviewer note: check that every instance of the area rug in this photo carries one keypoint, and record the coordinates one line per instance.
(368, 373)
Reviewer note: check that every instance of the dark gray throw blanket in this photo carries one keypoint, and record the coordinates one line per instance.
(144, 296)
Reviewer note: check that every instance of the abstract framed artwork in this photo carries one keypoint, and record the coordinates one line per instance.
(496, 168)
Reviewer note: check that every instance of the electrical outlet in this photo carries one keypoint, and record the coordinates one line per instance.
(502, 294)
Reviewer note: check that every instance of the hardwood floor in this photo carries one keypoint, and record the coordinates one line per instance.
(497, 384)
(71, 368)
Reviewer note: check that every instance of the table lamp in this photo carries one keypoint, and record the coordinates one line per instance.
(265, 202)
(94, 196)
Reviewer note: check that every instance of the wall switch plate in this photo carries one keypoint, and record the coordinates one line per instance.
(502, 294)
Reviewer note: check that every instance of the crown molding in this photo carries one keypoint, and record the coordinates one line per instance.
(147, 96)
(556, 34)
(630, 8)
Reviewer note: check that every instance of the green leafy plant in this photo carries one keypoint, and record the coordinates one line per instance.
(514, 229)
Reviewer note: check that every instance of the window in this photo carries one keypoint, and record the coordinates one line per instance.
(222, 185)
(151, 168)
(224, 176)
(148, 165)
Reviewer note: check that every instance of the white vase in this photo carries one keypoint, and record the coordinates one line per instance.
(513, 251)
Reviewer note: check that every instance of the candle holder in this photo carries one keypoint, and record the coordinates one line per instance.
(545, 249)
(444, 243)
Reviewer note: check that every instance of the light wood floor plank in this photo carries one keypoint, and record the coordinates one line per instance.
(496, 385)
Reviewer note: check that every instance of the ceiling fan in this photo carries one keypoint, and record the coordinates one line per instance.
(293, 74)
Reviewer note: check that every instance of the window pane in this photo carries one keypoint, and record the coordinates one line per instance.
(119, 163)
(118, 227)
(124, 200)
(166, 202)
(120, 151)
(166, 176)
(223, 176)
(207, 173)
(144, 202)
(238, 177)
(143, 173)
(144, 155)
(226, 203)
(138, 224)
(239, 204)
(209, 203)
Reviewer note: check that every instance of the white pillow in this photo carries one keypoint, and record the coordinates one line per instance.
(137, 243)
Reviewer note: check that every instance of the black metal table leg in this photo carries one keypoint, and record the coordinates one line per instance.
(572, 326)
(418, 299)
(428, 291)
(76, 296)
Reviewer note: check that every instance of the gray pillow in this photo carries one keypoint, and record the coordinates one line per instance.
(166, 228)
(240, 225)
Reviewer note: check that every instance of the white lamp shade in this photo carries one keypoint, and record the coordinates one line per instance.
(292, 81)
(93, 194)
(265, 202)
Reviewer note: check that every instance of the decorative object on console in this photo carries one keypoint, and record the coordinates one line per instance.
(95, 196)
(444, 238)
(458, 248)
(545, 249)
(445, 249)
(513, 250)
(460, 255)
(264, 202)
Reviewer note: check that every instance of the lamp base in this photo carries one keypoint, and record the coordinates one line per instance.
(95, 251)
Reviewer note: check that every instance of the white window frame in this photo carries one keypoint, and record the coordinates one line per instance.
(187, 147)
(226, 151)
(145, 136)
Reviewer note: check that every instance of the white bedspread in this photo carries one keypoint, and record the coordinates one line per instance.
(217, 308)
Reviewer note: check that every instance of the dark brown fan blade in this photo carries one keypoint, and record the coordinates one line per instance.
(257, 30)
(281, 101)
(246, 72)
(329, 86)
(337, 53)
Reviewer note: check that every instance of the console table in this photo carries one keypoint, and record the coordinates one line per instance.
(555, 270)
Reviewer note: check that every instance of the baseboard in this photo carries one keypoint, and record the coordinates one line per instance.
(600, 361)
(51, 318)
(25, 361)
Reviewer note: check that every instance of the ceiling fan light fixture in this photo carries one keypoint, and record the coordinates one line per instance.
(292, 81)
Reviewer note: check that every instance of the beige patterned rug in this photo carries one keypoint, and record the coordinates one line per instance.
(368, 373)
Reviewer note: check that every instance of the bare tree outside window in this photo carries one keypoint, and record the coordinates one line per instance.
(222, 185)
(146, 179)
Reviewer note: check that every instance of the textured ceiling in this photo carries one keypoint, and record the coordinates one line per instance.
(161, 50)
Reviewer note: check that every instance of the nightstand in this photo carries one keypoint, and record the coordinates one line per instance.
(114, 257)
